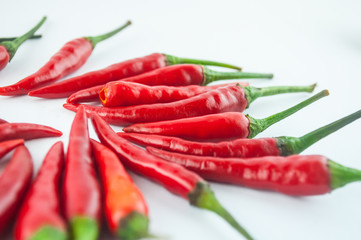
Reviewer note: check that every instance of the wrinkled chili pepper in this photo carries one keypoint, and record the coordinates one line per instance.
(218, 127)
(26, 131)
(14, 182)
(7, 146)
(92, 94)
(243, 147)
(295, 175)
(68, 59)
(225, 99)
(81, 190)
(125, 208)
(173, 177)
(8, 48)
(3, 39)
(122, 93)
(40, 217)
(129, 69)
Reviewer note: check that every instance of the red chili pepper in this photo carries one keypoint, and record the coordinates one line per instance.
(218, 127)
(125, 208)
(26, 131)
(178, 75)
(293, 175)
(225, 99)
(121, 93)
(9, 47)
(3, 121)
(14, 181)
(243, 148)
(40, 217)
(173, 177)
(86, 95)
(81, 190)
(7, 146)
(68, 59)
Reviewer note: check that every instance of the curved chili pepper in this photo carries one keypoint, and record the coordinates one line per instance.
(8, 48)
(3, 39)
(68, 59)
(122, 93)
(7, 146)
(125, 208)
(225, 99)
(26, 131)
(14, 181)
(294, 175)
(81, 190)
(218, 127)
(243, 148)
(40, 217)
(86, 95)
(179, 75)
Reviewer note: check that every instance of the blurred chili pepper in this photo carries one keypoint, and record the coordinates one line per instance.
(68, 59)
(81, 190)
(295, 175)
(173, 177)
(8, 48)
(14, 182)
(219, 127)
(2, 121)
(125, 208)
(129, 69)
(26, 131)
(40, 217)
(225, 99)
(7, 146)
(3, 39)
(244, 148)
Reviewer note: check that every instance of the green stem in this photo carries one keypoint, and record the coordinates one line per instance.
(257, 126)
(49, 232)
(252, 93)
(211, 75)
(96, 39)
(172, 60)
(133, 226)
(341, 175)
(13, 38)
(291, 145)
(12, 46)
(84, 228)
(204, 197)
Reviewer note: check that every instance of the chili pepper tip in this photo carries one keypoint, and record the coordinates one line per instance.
(49, 232)
(341, 175)
(133, 226)
(84, 228)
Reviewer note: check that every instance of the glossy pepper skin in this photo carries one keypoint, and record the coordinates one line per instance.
(173, 177)
(81, 191)
(14, 182)
(127, 69)
(218, 127)
(125, 208)
(295, 175)
(26, 131)
(8, 47)
(40, 216)
(122, 93)
(223, 99)
(243, 147)
(7, 146)
(67, 60)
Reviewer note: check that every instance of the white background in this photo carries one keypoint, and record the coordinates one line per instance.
(301, 42)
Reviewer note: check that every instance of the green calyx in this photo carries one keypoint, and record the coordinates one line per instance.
(84, 228)
(203, 197)
(133, 226)
(292, 145)
(252, 93)
(96, 39)
(12, 46)
(211, 75)
(341, 175)
(172, 60)
(49, 232)
(257, 126)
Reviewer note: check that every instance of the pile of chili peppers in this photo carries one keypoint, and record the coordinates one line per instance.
(191, 132)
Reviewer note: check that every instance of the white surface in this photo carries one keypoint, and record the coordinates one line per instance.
(301, 42)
